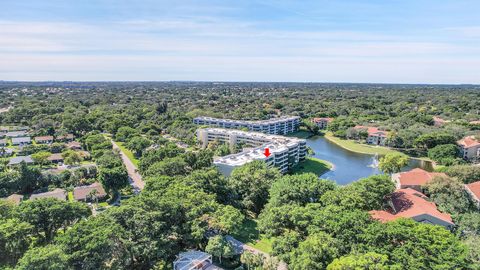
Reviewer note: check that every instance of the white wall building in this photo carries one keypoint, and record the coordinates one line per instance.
(469, 148)
(285, 152)
(375, 135)
(282, 125)
(322, 123)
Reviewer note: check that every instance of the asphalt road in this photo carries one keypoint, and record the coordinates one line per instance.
(131, 169)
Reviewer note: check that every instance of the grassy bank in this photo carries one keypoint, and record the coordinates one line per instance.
(313, 165)
(353, 146)
(128, 153)
(249, 235)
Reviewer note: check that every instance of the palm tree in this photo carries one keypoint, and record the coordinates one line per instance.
(93, 196)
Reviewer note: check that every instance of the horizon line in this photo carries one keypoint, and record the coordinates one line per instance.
(232, 81)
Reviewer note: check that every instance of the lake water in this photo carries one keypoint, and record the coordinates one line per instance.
(350, 166)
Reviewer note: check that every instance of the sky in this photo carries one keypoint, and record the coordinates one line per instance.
(370, 41)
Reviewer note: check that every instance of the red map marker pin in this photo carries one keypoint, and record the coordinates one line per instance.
(267, 152)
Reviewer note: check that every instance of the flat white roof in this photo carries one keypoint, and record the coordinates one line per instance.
(256, 122)
(254, 135)
(276, 144)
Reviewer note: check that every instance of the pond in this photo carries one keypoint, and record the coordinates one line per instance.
(350, 166)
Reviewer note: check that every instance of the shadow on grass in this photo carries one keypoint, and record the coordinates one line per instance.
(312, 165)
(249, 232)
(249, 235)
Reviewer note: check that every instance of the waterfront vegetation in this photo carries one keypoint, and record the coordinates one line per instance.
(302, 134)
(357, 147)
(312, 165)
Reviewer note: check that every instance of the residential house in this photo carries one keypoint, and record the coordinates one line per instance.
(44, 139)
(194, 260)
(469, 147)
(73, 145)
(414, 179)
(19, 128)
(57, 193)
(19, 159)
(473, 189)
(14, 198)
(476, 122)
(65, 138)
(5, 152)
(56, 158)
(83, 193)
(375, 135)
(438, 122)
(20, 141)
(322, 123)
(409, 203)
(84, 154)
(3, 142)
(16, 134)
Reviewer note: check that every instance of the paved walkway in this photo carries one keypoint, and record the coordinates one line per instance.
(131, 169)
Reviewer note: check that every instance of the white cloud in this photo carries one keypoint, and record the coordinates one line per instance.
(212, 49)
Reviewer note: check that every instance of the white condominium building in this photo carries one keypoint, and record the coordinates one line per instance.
(284, 152)
(282, 125)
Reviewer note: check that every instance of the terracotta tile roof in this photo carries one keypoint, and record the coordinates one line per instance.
(409, 203)
(474, 189)
(318, 119)
(55, 157)
(57, 193)
(440, 121)
(63, 137)
(44, 138)
(14, 198)
(382, 215)
(73, 145)
(373, 131)
(469, 141)
(81, 193)
(417, 177)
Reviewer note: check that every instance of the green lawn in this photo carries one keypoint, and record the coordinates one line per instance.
(312, 165)
(358, 147)
(129, 153)
(249, 235)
